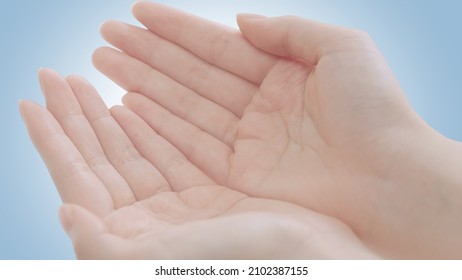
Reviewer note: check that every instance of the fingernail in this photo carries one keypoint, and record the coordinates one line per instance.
(40, 80)
(250, 16)
(66, 215)
(136, 3)
(20, 110)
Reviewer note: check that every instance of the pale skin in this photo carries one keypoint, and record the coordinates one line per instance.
(130, 194)
(297, 125)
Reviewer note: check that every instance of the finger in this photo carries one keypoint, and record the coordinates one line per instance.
(75, 181)
(213, 83)
(174, 166)
(136, 76)
(90, 236)
(143, 178)
(217, 44)
(298, 37)
(203, 150)
(62, 103)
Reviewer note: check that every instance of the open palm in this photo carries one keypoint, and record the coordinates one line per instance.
(129, 193)
(318, 124)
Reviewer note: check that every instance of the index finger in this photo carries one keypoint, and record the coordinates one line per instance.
(74, 179)
(217, 44)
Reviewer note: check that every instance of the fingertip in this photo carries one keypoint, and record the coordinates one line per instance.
(134, 4)
(21, 103)
(42, 75)
(46, 76)
(131, 99)
(75, 78)
(243, 18)
(124, 99)
(102, 52)
(41, 78)
(22, 107)
(110, 27)
(146, 10)
(103, 26)
(31, 113)
(117, 107)
(25, 104)
(43, 72)
(138, 6)
(98, 51)
(249, 16)
(78, 83)
(96, 57)
(116, 110)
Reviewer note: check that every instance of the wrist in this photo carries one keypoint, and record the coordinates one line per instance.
(419, 204)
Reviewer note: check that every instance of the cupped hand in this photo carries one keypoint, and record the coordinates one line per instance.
(290, 109)
(130, 194)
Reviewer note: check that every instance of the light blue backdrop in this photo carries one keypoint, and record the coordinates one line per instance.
(421, 40)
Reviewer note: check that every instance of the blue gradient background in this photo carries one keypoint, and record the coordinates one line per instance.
(421, 40)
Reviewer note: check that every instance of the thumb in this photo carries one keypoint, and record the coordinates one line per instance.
(78, 221)
(90, 236)
(301, 38)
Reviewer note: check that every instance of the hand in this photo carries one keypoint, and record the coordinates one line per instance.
(293, 110)
(130, 194)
